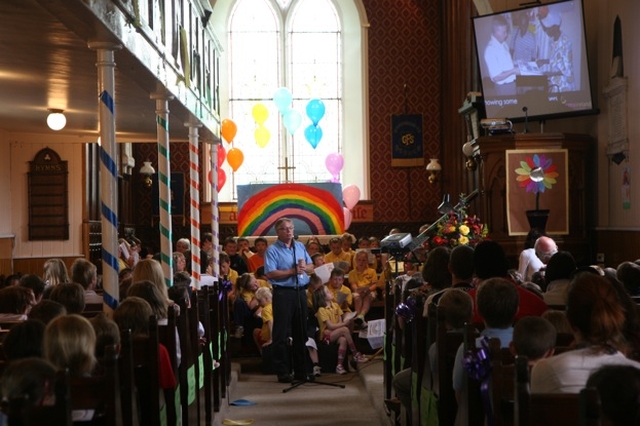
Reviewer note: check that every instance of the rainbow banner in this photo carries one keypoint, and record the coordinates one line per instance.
(314, 208)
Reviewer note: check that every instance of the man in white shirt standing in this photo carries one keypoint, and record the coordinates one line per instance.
(498, 60)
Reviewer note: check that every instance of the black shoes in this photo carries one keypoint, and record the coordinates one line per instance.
(285, 378)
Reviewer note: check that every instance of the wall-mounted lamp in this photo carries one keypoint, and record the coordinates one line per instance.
(434, 168)
(445, 207)
(147, 171)
(56, 119)
(471, 150)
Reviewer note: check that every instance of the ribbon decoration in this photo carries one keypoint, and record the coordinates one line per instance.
(226, 287)
(477, 363)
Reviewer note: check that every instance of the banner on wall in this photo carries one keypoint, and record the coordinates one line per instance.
(406, 140)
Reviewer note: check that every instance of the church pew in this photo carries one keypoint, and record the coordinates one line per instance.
(167, 336)
(204, 313)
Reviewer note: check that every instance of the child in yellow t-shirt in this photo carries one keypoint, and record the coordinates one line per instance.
(262, 336)
(363, 282)
(334, 328)
(341, 293)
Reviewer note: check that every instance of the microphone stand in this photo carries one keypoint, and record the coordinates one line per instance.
(308, 377)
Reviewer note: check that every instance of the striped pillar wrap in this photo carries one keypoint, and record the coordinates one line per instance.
(108, 173)
(194, 185)
(215, 218)
(164, 184)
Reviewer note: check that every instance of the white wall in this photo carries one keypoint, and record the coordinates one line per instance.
(16, 150)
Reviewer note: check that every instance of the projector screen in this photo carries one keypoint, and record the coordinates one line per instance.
(533, 62)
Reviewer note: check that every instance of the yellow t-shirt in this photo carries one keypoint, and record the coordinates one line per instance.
(342, 257)
(348, 301)
(363, 279)
(324, 314)
(267, 315)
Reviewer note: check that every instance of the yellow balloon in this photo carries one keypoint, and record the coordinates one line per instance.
(235, 158)
(262, 136)
(260, 113)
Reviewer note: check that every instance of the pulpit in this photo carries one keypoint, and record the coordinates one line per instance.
(502, 156)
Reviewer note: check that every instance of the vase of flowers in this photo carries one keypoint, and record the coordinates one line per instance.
(537, 174)
(459, 229)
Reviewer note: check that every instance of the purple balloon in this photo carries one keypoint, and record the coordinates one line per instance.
(334, 163)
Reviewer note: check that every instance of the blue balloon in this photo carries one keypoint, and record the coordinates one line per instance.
(313, 134)
(292, 120)
(283, 98)
(315, 110)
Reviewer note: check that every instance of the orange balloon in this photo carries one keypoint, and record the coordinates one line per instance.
(235, 157)
(229, 130)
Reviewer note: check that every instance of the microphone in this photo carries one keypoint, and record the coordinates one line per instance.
(301, 263)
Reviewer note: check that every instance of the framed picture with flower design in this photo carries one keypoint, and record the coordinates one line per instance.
(537, 190)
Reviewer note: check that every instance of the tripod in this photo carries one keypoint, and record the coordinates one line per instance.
(303, 336)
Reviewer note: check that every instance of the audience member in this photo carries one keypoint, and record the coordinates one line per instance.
(47, 310)
(257, 260)
(629, 274)
(560, 269)
(107, 334)
(151, 270)
(528, 262)
(461, 269)
(490, 261)
(69, 295)
(595, 314)
(246, 308)
(348, 240)
(619, 389)
(262, 335)
(24, 340)
(342, 294)
(559, 320)
(334, 328)
(545, 247)
(336, 254)
(133, 314)
(69, 343)
(313, 247)
(34, 283)
(29, 379)
(497, 302)
(237, 262)
(16, 303)
(183, 245)
(363, 281)
(435, 273)
(534, 338)
(54, 273)
(85, 273)
(317, 259)
(179, 262)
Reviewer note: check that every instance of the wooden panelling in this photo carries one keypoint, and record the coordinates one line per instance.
(618, 246)
(35, 265)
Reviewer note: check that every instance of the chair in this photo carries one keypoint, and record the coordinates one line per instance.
(91, 310)
(98, 396)
(552, 409)
(502, 383)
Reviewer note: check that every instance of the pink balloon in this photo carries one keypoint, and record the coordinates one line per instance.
(347, 218)
(334, 163)
(350, 196)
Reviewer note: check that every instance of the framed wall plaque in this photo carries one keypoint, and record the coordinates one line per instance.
(48, 197)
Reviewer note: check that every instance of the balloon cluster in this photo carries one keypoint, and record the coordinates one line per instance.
(477, 364)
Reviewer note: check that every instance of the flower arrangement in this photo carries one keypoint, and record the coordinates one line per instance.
(537, 174)
(466, 230)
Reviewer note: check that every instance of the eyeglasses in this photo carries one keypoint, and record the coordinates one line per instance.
(286, 228)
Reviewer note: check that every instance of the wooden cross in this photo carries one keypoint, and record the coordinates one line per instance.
(286, 169)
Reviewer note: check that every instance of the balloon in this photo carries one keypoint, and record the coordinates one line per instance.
(262, 136)
(260, 113)
(222, 154)
(229, 130)
(235, 157)
(350, 196)
(292, 120)
(282, 98)
(222, 179)
(313, 134)
(315, 110)
(347, 217)
(334, 163)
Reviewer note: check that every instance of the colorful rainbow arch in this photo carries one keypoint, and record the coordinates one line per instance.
(307, 205)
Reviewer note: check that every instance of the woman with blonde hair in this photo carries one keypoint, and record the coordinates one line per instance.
(54, 273)
(151, 270)
(69, 343)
